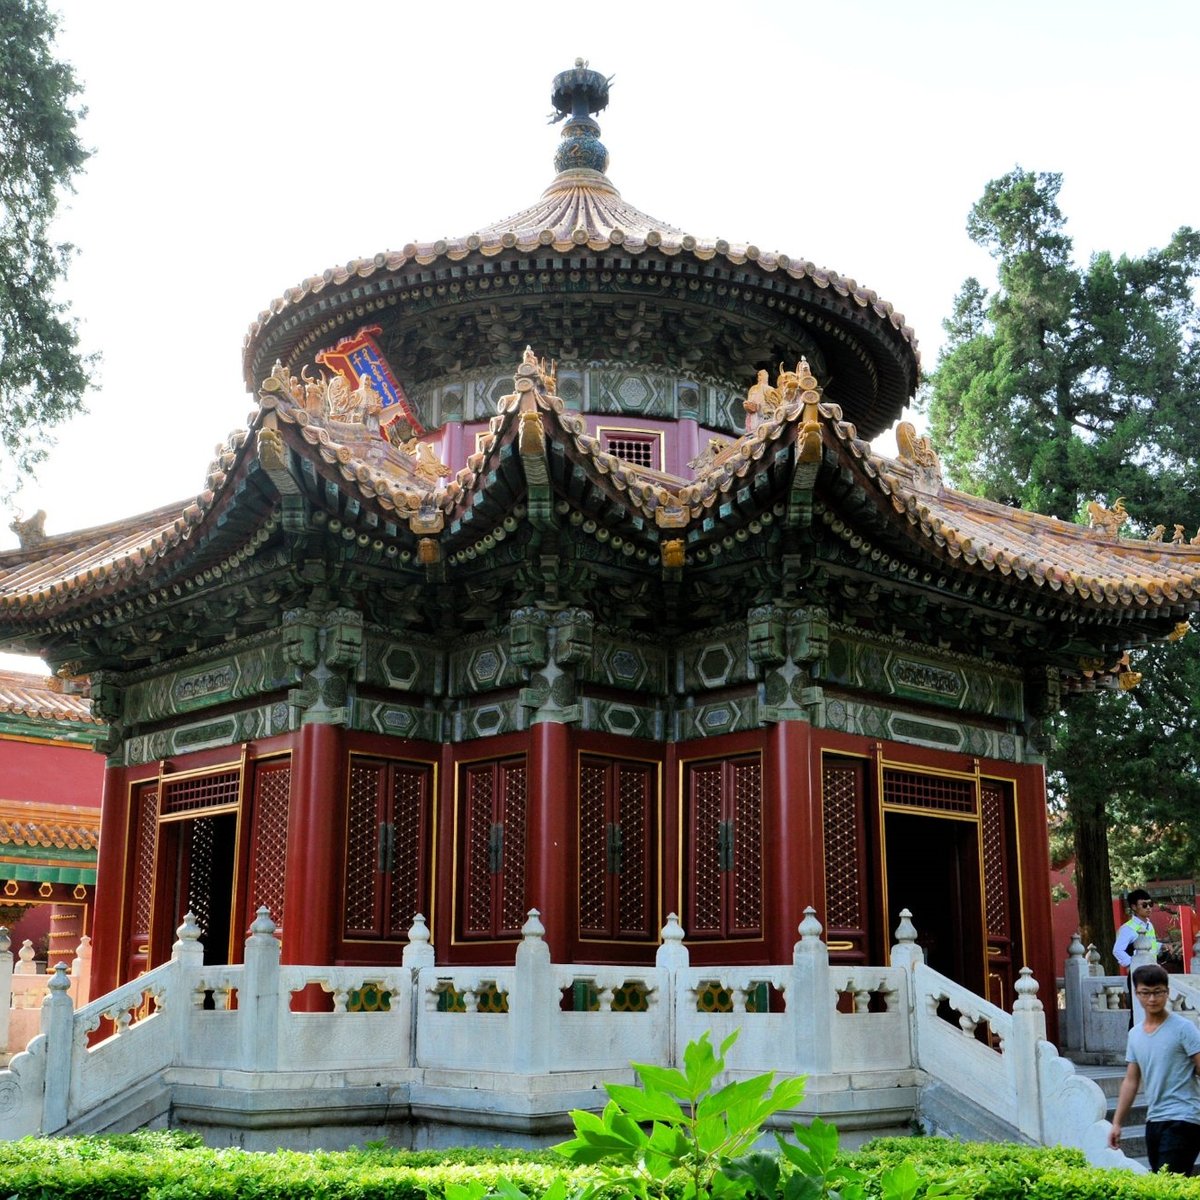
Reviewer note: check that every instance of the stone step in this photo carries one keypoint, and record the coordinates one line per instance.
(1133, 1135)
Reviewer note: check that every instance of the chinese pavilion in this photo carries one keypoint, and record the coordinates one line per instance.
(644, 627)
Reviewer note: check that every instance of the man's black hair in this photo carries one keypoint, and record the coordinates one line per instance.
(1150, 975)
(1137, 894)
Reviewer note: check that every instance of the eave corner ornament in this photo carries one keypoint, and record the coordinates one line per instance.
(31, 531)
(536, 372)
(1108, 519)
(917, 453)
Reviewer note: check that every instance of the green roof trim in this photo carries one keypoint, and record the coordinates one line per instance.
(32, 874)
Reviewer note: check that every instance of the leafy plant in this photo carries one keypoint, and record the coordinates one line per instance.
(675, 1122)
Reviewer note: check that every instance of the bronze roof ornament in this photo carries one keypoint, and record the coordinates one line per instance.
(577, 94)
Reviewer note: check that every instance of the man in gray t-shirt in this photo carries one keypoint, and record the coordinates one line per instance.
(1163, 1053)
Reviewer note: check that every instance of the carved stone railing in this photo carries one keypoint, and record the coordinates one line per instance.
(1096, 1015)
(23, 988)
(541, 1036)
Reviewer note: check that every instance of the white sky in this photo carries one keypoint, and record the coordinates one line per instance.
(240, 147)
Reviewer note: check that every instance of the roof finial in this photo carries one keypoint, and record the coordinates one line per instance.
(575, 95)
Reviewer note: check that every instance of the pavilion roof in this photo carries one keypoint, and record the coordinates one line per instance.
(414, 496)
(566, 267)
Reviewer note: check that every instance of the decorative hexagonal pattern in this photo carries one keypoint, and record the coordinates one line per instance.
(402, 666)
(714, 665)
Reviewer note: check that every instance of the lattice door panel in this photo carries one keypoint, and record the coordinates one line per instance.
(595, 918)
(199, 873)
(493, 798)
(269, 823)
(996, 814)
(411, 798)
(387, 847)
(724, 848)
(745, 869)
(636, 860)
(617, 862)
(145, 840)
(705, 857)
(844, 840)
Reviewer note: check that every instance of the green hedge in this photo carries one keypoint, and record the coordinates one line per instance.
(175, 1166)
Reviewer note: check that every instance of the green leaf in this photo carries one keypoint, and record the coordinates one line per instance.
(899, 1182)
(643, 1105)
(661, 1079)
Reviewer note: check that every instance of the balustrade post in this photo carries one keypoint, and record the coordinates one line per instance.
(534, 1001)
(81, 971)
(907, 954)
(418, 953)
(810, 1001)
(1140, 955)
(58, 1024)
(258, 997)
(418, 950)
(1074, 975)
(6, 971)
(670, 958)
(1021, 1054)
(188, 954)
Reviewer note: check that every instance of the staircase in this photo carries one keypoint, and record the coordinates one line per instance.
(1133, 1135)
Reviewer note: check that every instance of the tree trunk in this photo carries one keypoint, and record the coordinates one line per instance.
(1093, 886)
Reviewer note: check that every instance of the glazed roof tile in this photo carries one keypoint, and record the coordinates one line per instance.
(49, 826)
(42, 697)
(582, 208)
(91, 560)
(1058, 556)
(1088, 565)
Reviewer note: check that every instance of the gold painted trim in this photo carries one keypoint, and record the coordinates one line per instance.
(196, 813)
(839, 945)
(237, 764)
(238, 832)
(62, 743)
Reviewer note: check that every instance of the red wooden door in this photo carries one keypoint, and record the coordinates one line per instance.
(724, 848)
(617, 851)
(492, 811)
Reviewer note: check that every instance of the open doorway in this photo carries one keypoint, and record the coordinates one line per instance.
(932, 869)
(201, 854)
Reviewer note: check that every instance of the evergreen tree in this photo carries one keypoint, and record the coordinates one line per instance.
(42, 374)
(1070, 384)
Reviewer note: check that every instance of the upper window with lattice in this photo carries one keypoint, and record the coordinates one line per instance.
(637, 449)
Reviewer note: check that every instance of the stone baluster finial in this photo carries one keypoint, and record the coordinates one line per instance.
(1075, 949)
(262, 925)
(672, 954)
(533, 929)
(1095, 964)
(26, 966)
(188, 948)
(905, 952)
(418, 952)
(1027, 993)
(5, 940)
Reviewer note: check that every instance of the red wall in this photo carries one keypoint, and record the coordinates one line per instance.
(50, 773)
